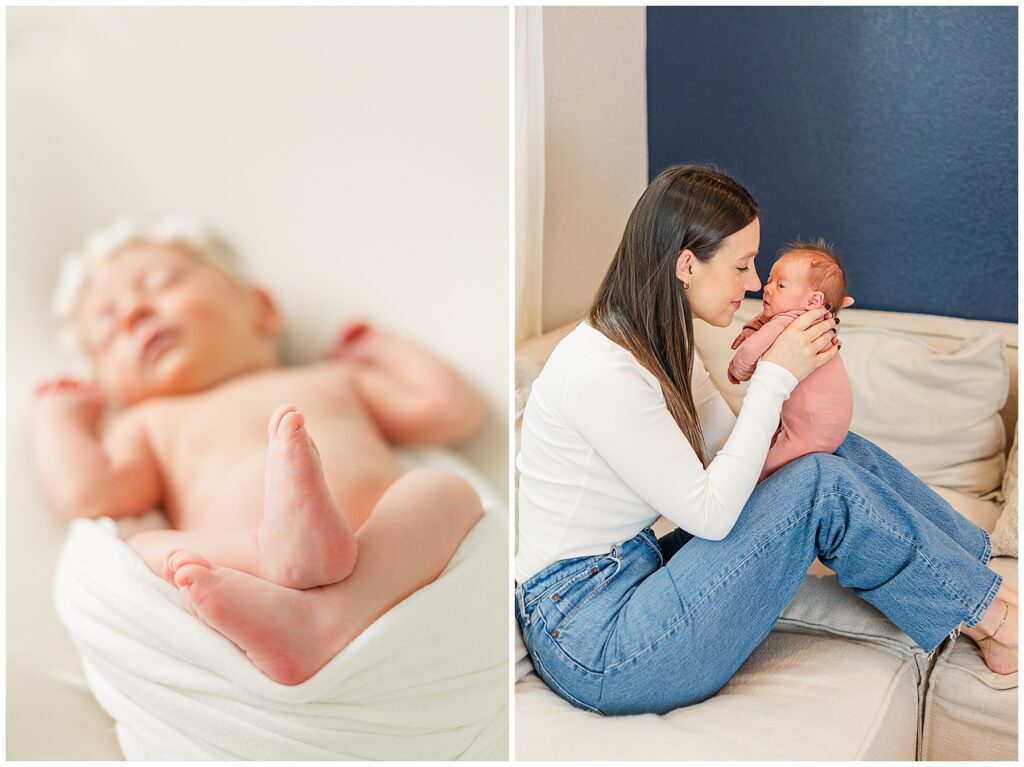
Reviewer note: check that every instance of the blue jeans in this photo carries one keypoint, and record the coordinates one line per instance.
(647, 628)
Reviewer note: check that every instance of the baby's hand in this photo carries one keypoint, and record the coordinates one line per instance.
(743, 336)
(351, 340)
(81, 402)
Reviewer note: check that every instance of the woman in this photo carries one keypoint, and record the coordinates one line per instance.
(624, 425)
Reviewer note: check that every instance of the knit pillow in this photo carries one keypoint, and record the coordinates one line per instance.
(1004, 536)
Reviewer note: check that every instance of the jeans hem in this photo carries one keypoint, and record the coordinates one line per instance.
(986, 555)
(986, 602)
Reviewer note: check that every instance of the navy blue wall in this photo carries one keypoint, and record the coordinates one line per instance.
(889, 131)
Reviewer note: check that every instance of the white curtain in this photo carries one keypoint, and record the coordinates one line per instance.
(529, 170)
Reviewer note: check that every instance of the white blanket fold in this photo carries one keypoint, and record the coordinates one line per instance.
(427, 681)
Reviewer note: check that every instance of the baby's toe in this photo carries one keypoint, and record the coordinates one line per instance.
(178, 560)
(284, 419)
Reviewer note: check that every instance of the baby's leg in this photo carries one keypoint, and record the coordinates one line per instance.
(799, 435)
(302, 541)
(785, 448)
(289, 634)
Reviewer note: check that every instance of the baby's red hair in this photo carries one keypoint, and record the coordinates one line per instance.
(825, 272)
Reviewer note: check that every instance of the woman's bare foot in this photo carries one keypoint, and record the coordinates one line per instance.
(278, 628)
(1007, 594)
(996, 636)
(304, 541)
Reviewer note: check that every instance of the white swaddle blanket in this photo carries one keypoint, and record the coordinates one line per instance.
(427, 681)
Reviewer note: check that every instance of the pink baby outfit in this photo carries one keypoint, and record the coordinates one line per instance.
(817, 415)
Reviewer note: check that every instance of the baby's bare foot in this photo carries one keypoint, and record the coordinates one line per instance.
(304, 541)
(276, 627)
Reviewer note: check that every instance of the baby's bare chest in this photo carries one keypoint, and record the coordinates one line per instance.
(211, 446)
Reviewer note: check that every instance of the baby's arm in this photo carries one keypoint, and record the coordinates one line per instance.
(749, 329)
(412, 395)
(82, 476)
(750, 350)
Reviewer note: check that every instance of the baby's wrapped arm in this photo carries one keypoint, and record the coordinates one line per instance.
(749, 352)
(82, 476)
(414, 397)
(748, 330)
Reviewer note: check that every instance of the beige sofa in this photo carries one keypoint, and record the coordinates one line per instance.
(836, 680)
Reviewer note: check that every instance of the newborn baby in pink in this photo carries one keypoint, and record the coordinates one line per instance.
(816, 417)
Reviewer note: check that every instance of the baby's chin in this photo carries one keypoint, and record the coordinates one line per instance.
(173, 382)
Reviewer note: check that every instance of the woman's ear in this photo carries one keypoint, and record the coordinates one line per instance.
(684, 266)
(815, 300)
(268, 319)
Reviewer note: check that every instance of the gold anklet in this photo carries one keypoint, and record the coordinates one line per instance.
(1006, 611)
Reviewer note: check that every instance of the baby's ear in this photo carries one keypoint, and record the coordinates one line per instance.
(815, 300)
(268, 318)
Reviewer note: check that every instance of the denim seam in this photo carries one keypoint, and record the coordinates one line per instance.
(987, 553)
(585, 566)
(979, 612)
(548, 679)
(655, 547)
(882, 522)
(779, 531)
(594, 592)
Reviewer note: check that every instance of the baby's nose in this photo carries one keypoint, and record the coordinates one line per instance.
(132, 312)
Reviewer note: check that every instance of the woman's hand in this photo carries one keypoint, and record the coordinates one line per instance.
(807, 344)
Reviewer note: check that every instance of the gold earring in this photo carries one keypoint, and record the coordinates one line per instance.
(686, 286)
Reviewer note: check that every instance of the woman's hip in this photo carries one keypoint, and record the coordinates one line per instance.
(568, 611)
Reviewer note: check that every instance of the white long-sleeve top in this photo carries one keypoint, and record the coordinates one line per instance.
(601, 457)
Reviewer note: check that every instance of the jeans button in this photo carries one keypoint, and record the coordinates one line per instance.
(555, 597)
(594, 571)
(554, 634)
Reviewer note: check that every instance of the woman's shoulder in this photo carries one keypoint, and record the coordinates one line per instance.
(587, 355)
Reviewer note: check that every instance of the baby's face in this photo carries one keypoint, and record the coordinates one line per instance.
(788, 288)
(158, 321)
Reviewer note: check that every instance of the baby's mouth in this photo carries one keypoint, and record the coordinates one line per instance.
(157, 343)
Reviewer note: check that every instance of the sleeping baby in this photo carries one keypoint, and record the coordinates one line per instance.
(288, 547)
(817, 415)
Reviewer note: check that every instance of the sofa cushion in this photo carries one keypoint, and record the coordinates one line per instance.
(969, 711)
(936, 411)
(1004, 535)
(796, 697)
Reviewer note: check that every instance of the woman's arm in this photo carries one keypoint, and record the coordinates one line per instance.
(619, 410)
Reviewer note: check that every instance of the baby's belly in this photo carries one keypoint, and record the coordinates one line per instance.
(230, 495)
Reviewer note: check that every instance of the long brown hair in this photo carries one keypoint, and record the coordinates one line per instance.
(641, 305)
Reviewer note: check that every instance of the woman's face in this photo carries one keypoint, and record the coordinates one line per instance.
(718, 286)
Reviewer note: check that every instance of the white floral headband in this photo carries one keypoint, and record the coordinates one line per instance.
(103, 243)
